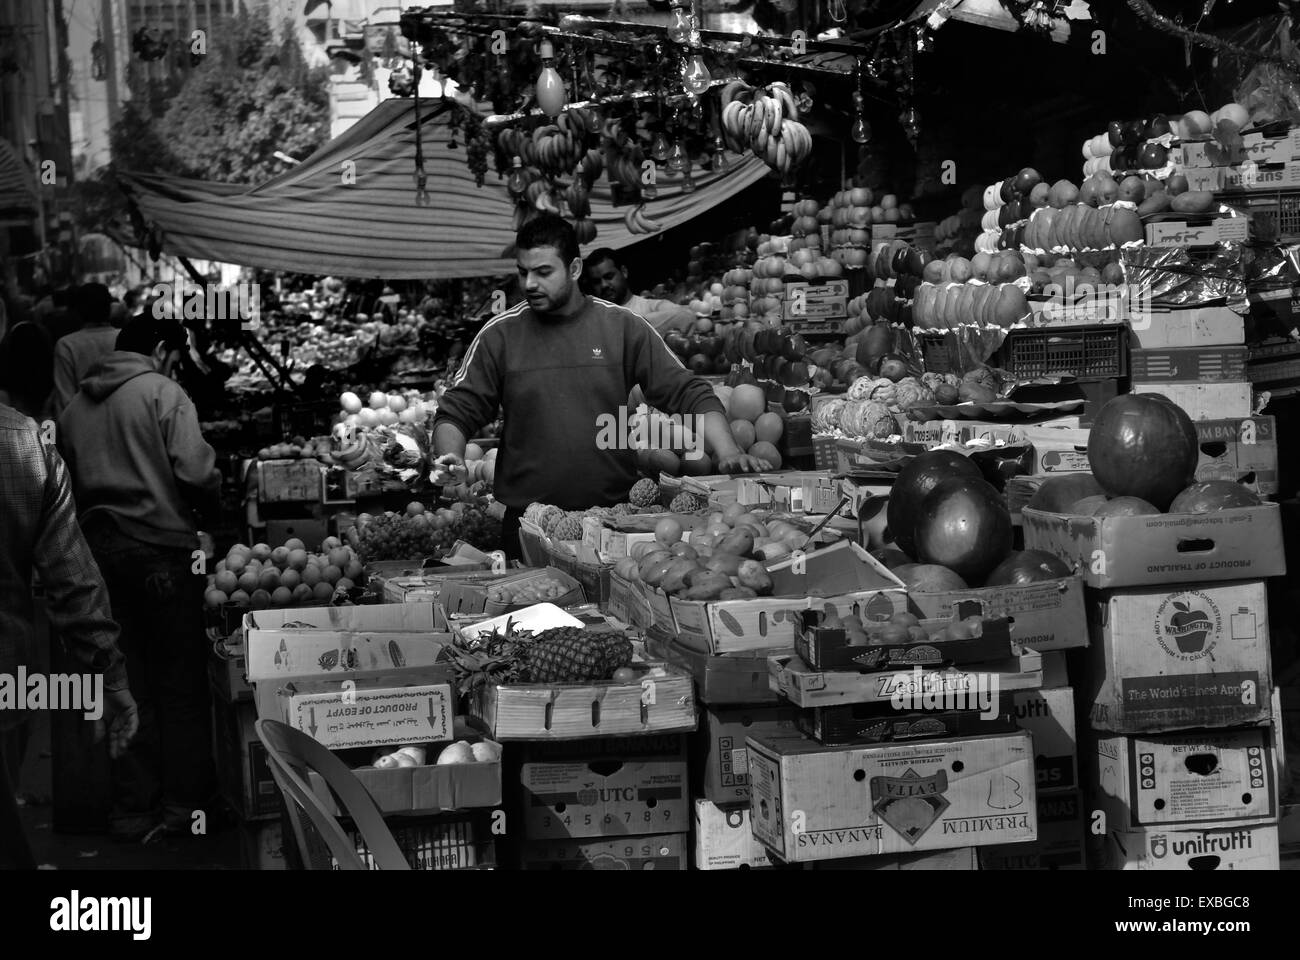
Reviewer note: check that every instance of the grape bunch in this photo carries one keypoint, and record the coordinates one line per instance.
(403, 536)
(477, 152)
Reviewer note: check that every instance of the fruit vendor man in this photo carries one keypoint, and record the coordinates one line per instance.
(606, 278)
(559, 365)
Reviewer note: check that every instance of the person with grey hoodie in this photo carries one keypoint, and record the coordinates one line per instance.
(140, 470)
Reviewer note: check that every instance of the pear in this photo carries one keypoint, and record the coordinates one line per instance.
(1062, 194)
(458, 752)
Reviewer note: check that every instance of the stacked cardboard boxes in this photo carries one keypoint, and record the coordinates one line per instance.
(1181, 763)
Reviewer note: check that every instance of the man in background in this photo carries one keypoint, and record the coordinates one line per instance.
(39, 532)
(606, 277)
(140, 470)
(76, 353)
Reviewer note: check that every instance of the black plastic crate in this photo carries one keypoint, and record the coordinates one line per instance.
(1274, 214)
(1092, 352)
(935, 354)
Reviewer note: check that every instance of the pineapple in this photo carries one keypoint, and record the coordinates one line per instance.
(622, 509)
(566, 655)
(686, 503)
(645, 493)
(549, 518)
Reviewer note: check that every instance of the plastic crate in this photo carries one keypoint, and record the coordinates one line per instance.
(1274, 214)
(934, 353)
(1096, 351)
(826, 455)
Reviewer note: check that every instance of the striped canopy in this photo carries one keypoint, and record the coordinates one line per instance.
(350, 209)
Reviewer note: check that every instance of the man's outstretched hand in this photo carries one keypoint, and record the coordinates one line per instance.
(121, 720)
(743, 463)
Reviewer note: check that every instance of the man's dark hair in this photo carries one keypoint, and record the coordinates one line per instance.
(601, 255)
(93, 303)
(146, 331)
(27, 364)
(132, 297)
(549, 230)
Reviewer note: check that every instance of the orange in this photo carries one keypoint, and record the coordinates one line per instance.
(268, 579)
(248, 581)
(322, 592)
(260, 599)
(226, 582)
(332, 574)
(290, 579)
(282, 597)
(261, 551)
(297, 558)
(311, 575)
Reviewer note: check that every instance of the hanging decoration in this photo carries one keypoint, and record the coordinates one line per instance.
(1159, 21)
(98, 70)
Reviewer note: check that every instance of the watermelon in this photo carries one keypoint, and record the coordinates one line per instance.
(1143, 445)
(914, 483)
(1125, 507)
(964, 525)
(1212, 495)
(1027, 566)
(1058, 494)
(929, 578)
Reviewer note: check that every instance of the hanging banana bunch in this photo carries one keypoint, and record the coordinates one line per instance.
(766, 121)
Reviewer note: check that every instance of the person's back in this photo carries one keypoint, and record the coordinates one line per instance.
(132, 442)
(77, 353)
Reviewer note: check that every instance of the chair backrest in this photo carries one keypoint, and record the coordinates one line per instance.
(292, 757)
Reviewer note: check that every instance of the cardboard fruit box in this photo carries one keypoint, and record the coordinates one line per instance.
(957, 858)
(867, 723)
(724, 839)
(927, 689)
(1047, 615)
(604, 798)
(1205, 401)
(461, 597)
(720, 758)
(828, 648)
(371, 711)
(719, 681)
(320, 641)
(843, 574)
(1240, 543)
(1061, 838)
(1179, 658)
(1201, 779)
(661, 701)
(1048, 716)
(628, 603)
(813, 802)
(660, 852)
(1232, 848)
(1242, 450)
(1188, 327)
(431, 789)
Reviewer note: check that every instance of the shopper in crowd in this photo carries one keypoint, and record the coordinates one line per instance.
(560, 365)
(39, 532)
(76, 353)
(606, 276)
(140, 471)
(27, 371)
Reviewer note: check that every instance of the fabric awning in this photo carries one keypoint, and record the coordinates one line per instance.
(350, 209)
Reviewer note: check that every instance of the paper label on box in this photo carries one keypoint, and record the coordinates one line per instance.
(1245, 848)
(371, 718)
(1201, 778)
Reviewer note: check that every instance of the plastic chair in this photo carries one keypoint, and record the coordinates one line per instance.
(292, 757)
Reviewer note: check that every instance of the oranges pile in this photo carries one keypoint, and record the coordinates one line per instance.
(261, 576)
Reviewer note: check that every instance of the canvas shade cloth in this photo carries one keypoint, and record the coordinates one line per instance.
(310, 219)
(17, 185)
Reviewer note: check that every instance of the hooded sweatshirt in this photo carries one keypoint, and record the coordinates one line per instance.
(132, 441)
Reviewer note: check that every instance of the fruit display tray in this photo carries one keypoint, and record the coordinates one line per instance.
(829, 649)
(803, 686)
(871, 723)
(993, 408)
(663, 702)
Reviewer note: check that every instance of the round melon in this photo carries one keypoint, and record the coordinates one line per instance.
(928, 578)
(915, 481)
(1088, 505)
(1027, 566)
(1213, 495)
(766, 451)
(1145, 446)
(964, 525)
(1126, 507)
(1058, 494)
(748, 402)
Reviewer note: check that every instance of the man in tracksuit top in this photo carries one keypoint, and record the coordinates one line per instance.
(560, 365)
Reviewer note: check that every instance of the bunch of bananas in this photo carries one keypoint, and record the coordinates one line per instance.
(548, 148)
(354, 448)
(637, 222)
(768, 124)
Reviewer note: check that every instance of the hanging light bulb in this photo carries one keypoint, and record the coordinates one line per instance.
(678, 162)
(923, 41)
(720, 162)
(681, 27)
(911, 122)
(516, 181)
(551, 96)
(696, 77)
(661, 148)
(861, 130)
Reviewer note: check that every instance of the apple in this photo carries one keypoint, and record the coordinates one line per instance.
(1190, 627)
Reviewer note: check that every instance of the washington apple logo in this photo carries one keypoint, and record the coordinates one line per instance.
(1188, 621)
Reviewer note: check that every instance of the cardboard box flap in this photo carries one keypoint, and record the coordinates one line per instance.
(369, 618)
(833, 571)
(538, 617)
